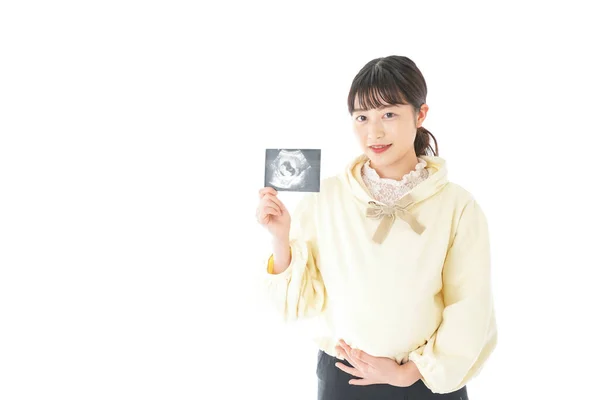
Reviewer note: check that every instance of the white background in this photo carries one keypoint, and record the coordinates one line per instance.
(128, 130)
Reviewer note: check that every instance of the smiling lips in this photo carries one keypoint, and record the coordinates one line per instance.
(380, 148)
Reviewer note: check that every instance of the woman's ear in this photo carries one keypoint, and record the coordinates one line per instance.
(421, 115)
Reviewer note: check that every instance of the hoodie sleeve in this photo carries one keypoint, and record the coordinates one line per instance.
(467, 334)
(299, 290)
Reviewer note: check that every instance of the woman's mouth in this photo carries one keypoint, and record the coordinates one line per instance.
(380, 148)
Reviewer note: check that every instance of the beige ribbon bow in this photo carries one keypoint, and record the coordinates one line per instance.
(388, 214)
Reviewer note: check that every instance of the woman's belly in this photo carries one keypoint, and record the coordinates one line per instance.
(383, 299)
(384, 318)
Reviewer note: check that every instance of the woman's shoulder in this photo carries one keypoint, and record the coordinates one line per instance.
(458, 191)
(334, 186)
(459, 198)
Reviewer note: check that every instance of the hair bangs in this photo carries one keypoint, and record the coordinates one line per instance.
(373, 89)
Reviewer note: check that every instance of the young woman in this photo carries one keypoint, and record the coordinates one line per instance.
(390, 257)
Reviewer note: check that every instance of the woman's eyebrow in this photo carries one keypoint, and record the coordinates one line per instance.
(379, 108)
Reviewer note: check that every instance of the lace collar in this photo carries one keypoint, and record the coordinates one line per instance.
(387, 190)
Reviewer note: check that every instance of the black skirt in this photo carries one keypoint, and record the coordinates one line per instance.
(333, 385)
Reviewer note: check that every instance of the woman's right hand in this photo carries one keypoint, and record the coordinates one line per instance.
(272, 214)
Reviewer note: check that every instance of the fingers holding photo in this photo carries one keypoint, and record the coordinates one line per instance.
(267, 190)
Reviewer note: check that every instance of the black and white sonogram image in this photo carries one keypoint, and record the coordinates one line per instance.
(293, 170)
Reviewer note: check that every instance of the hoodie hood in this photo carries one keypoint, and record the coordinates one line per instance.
(437, 180)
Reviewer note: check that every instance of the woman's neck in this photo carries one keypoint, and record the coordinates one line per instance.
(396, 170)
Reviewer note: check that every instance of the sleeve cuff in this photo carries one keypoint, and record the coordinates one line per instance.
(425, 366)
(298, 260)
(271, 263)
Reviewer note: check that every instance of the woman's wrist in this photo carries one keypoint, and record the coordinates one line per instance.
(407, 374)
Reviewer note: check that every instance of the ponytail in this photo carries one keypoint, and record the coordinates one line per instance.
(423, 143)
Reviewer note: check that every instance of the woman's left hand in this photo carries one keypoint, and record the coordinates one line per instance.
(376, 370)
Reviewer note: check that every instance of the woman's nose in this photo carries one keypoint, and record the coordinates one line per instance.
(375, 130)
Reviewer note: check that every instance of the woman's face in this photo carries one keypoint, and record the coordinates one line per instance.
(393, 126)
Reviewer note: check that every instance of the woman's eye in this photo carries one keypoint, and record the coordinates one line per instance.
(391, 114)
(358, 118)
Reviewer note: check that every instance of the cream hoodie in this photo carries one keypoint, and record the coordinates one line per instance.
(409, 283)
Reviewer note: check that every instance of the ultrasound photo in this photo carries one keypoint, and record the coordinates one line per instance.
(293, 170)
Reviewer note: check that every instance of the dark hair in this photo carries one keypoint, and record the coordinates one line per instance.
(393, 80)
